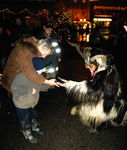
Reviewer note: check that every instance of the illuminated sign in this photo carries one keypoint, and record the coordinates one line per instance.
(102, 19)
(103, 16)
(110, 7)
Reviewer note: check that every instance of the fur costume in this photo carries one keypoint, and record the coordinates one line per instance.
(100, 99)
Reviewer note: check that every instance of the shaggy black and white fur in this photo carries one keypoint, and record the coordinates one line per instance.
(100, 99)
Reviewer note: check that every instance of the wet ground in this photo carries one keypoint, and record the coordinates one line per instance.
(62, 131)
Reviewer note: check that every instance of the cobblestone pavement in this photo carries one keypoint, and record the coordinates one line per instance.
(62, 131)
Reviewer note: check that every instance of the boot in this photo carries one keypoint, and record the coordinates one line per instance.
(26, 130)
(35, 127)
(29, 137)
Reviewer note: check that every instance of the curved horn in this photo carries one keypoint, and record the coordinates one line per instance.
(63, 80)
(77, 46)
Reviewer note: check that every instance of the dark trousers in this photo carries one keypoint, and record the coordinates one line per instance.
(26, 116)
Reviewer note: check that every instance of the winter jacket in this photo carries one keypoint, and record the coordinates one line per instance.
(22, 88)
(20, 60)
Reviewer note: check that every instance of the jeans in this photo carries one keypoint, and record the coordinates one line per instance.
(24, 100)
(26, 116)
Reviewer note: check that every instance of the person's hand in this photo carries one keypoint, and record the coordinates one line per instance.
(51, 82)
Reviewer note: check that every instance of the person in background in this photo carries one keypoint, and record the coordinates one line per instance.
(24, 83)
(47, 32)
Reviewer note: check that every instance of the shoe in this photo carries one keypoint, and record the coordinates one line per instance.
(35, 128)
(29, 137)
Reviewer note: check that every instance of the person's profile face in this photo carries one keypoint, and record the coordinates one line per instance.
(43, 52)
(48, 30)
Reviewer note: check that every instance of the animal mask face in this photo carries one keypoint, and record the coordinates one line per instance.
(95, 61)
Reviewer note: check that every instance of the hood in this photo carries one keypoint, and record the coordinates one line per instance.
(28, 44)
